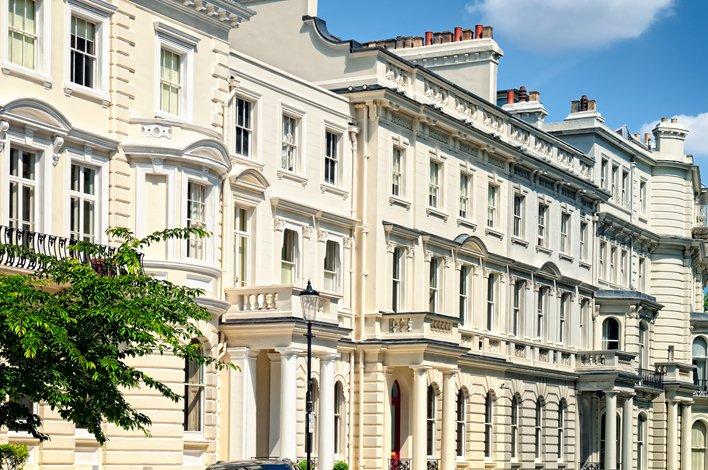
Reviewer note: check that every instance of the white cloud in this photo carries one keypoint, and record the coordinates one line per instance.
(562, 25)
(697, 139)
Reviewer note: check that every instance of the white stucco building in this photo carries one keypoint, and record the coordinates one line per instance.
(493, 285)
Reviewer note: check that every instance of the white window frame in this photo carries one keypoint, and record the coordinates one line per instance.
(493, 190)
(337, 278)
(42, 72)
(561, 430)
(44, 185)
(430, 420)
(538, 430)
(584, 245)
(82, 197)
(401, 174)
(517, 306)
(464, 292)
(624, 187)
(435, 273)
(602, 258)
(338, 164)
(623, 267)
(238, 235)
(542, 299)
(460, 424)
(435, 188)
(488, 427)
(465, 199)
(491, 301)
(514, 416)
(250, 130)
(614, 172)
(518, 222)
(211, 195)
(397, 283)
(565, 232)
(297, 254)
(201, 384)
(184, 45)
(643, 194)
(99, 13)
(542, 238)
(604, 166)
(99, 163)
(299, 140)
(613, 264)
(642, 274)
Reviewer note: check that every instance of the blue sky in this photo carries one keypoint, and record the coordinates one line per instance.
(640, 59)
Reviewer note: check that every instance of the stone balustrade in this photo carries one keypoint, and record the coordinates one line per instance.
(419, 325)
(606, 359)
(274, 301)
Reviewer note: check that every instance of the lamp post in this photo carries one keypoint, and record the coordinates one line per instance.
(310, 301)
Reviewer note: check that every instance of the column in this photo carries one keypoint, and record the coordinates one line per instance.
(449, 420)
(242, 406)
(418, 417)
(325, 449)
(585, 427)
(274, 423)
(627, 432)
(686, 424)
(288, 404)
(610, 431)
(671, 442)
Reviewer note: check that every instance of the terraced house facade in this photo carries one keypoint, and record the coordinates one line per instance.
(497, 291)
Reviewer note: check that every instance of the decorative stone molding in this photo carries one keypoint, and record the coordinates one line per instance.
(400, 325)
(322, 236)
(428, 256)
(347, 242)
(156, 131)
(391, 246)
(57, 148)
(278, 224)
(410, 252)
(4, 127)
(307, 232)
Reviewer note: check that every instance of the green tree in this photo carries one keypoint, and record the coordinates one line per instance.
(69, 331)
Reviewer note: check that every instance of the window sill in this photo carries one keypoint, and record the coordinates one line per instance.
(88, 93)
(644, 218)
(436, 213)
(566, 257)
(493, 232)
(289, 175)
(398, 201)
(543, 249)
(195, 440)
(247, 161)
(466, 223)
(172, 117)
(537, 463)
(519, 241)
(8, 68)
(584, 265)
(328, 188)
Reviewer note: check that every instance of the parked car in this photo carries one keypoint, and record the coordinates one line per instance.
(256, 464)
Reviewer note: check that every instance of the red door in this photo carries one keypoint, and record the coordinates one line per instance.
(395, 422)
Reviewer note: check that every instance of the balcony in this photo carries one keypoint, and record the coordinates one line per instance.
(422, 325)
(399, 464)
(702, 388)
(606, 360)
(651, 378)
(49, 245)
(700, 224)
(275, 301)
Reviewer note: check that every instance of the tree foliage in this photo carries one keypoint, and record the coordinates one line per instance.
(13, 456)
(69, 331)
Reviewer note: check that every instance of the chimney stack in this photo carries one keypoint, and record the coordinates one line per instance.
(510, 96)
(428, 38)
(458, 33)
(478, 30)
(488, 32)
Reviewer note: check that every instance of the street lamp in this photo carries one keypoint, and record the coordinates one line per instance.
(310, 301)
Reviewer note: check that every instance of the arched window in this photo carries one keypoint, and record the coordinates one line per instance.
(460, 414)
(561, 429)
(488, 424)
(430, 428)
(193, 395)
(610, 334)
(643, 340)
(700, 359)
(514, 426)
(338, 421)
(538, 429)
(698, 446)
(641, 441)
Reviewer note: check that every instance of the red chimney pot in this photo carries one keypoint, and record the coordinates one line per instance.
(478, 30)
(428, 38)
(458, 33)
(510, 96)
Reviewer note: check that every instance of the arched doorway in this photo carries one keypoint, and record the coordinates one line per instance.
(395, 422)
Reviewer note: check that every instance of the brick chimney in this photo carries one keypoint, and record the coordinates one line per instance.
(525, 105)
(584, 108)
(469, 58)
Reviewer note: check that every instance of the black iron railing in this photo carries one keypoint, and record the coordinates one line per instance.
(50, 246)
(591, 466)
(399, 464)
(651, 378)
(702, 388)
(433, 464)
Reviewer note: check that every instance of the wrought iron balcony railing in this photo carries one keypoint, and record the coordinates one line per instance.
(433, 464)
(702, 388)
(399, 464)
(51, 246)
(651, 378)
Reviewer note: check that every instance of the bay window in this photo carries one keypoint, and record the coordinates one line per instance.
(196, 218)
